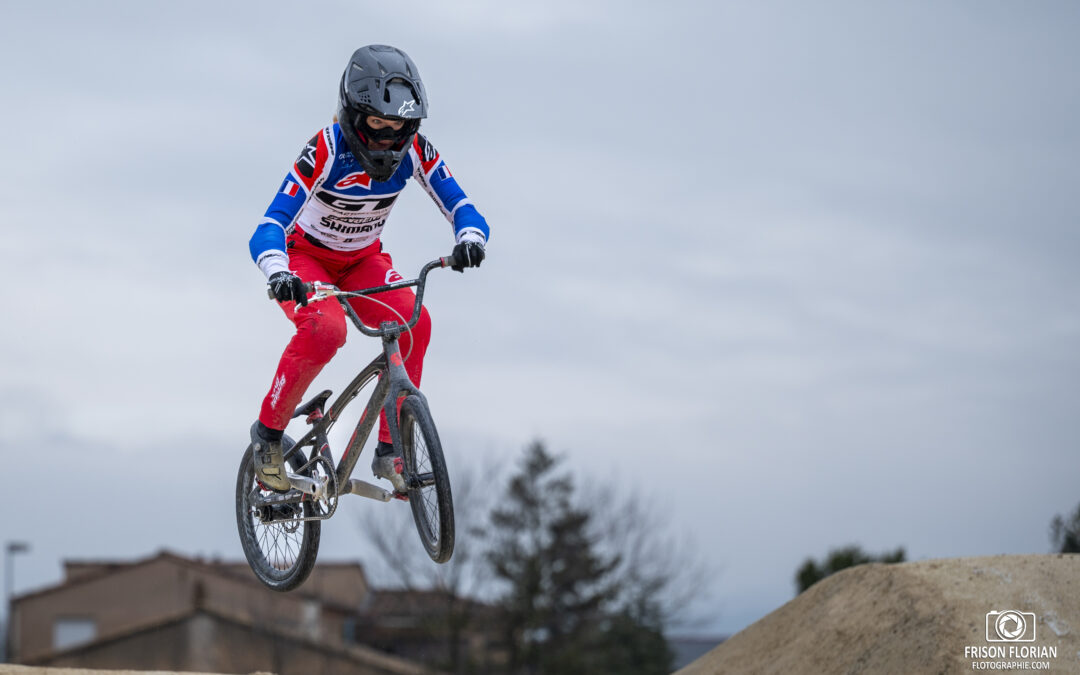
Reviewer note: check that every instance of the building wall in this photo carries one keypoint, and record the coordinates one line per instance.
(117, 602)
(204, 642)
(339, 583)
(160, 589)
(164, 648)
(228, 620)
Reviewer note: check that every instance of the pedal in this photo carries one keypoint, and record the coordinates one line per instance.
(270, 498)
(365, 489)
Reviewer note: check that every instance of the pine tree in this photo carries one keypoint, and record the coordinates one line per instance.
(838, 559)
(1065, 534)
(560, 606)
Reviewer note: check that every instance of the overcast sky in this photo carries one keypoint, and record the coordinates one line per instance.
(804, 274)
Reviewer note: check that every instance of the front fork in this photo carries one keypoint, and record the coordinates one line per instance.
(399, 386)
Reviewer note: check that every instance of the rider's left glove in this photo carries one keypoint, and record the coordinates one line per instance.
(287, 286)
(467, 254)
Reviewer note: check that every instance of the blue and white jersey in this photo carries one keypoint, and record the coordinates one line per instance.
(330, 197)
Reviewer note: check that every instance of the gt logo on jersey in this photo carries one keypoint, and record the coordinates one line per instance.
(392, 276)
(359, 178)
(305, 163)
(347, 203)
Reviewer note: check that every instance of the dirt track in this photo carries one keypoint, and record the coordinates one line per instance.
(913, 618)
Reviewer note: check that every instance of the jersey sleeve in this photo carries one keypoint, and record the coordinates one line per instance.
(267, 245)
(431, 171)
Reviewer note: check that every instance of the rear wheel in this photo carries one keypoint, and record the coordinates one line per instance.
(427, 480)
(280, 548)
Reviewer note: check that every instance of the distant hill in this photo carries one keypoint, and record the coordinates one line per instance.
(688, 649)
(929, 616)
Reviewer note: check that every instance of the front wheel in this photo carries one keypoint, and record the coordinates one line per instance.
(427, 481)
(279, 546)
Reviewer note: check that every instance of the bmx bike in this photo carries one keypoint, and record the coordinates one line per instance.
(280, 531)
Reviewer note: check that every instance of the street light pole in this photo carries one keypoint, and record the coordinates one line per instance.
(10, 550)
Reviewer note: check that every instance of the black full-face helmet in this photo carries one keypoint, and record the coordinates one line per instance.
(381, 81)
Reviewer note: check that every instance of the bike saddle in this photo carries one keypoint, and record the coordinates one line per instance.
(314, 404)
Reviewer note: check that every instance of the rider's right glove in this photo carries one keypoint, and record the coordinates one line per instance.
(467, 254)
(287, 286)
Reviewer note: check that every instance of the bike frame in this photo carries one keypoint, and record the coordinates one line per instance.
(394, 383)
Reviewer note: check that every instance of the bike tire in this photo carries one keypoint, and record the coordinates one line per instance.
(427, 479)
(280, 559)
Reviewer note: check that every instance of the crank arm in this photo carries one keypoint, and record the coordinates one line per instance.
(310, 486)
(365, 489)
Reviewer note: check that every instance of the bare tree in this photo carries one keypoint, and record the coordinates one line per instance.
(400, 564)
(664, 577)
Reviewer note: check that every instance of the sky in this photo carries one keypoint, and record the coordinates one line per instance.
(800, 275)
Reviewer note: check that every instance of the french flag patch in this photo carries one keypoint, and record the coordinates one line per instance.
(444, 173)
(290, 188)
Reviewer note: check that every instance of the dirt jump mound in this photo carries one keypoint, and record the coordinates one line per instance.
(962, 615)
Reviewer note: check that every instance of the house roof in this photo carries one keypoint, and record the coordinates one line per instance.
(360, 654)
(235, 571)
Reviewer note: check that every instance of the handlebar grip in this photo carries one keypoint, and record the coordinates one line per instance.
(308, 288)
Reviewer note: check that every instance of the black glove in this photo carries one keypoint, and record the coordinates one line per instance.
(467, 254)
(287, 286)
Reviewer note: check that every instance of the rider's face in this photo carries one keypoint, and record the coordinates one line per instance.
(383, 123)
(378, 123)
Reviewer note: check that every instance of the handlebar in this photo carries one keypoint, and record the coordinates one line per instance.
(321, 291)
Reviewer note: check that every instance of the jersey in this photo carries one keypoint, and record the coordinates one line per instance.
(328, 195)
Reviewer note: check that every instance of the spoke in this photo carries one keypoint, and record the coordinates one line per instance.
(421, 451)
(276, 551)
(289, 550)
(430, 501)
(423, 478)
(280, 548)
(431, 508)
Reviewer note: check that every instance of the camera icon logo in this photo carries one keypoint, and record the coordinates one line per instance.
(1010, 626)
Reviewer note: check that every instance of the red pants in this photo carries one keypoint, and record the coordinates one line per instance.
(321, 326)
